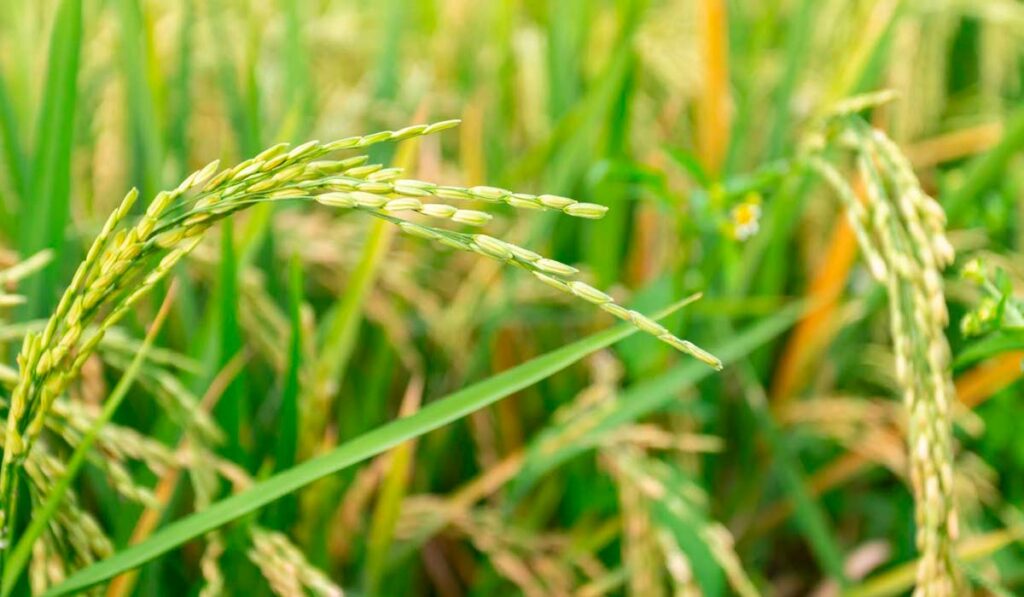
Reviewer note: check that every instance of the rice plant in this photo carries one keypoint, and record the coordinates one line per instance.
(901, 231)
(125, 263)
(406, 362)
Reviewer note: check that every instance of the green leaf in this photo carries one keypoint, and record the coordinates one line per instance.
(300, 108)
(984, 171)
(798, 39)
(180, 93)
(431, 417)
(689, 162)
(240, 108)
(345, 316)
(47, 214)
(14, 154)
(997, 343)
(686, 520)
(811, 517)
(141, 92)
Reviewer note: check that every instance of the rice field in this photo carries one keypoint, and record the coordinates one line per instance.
(579, 297)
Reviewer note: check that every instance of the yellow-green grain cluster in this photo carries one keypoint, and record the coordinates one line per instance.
(126, 261)
(901, 231)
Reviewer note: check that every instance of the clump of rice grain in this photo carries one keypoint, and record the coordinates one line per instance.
(901, 231)
(125, 263)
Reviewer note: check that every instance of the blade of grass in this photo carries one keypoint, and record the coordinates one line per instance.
(432, 416)
(568, 22)
(524, 469)
(973, 387)
(567, 150)
(993, 587)
(298, 113)
(141, 95)
(863, 62)
(340, 337)
(177, 132)
(41, 516)
(985, 170)
(185, 319)
(246, 136)
(685, 521)
(767, 260)
(46, 214)
(14, 154)
(843, 468)
(388, 74)
(811, 518)
(606, 240)
(300, 104)
(796, 55)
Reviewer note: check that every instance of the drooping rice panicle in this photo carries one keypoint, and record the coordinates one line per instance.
(901, 231)
(125, 262)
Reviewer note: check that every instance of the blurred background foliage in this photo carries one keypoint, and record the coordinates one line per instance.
(684, 117)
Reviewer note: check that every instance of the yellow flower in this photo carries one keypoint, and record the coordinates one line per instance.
(746, 217)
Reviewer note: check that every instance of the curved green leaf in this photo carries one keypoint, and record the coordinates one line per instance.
(434, 415)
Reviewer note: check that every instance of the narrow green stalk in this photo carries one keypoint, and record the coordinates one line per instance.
(141, 95)
(16, 159)
(46, 213)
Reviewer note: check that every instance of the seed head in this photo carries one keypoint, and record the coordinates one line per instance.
(591, 211)
(588, 293)
(471, 217)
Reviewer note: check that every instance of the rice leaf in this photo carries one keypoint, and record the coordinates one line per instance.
(434, 415)
(48, 217)
(15, 157)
